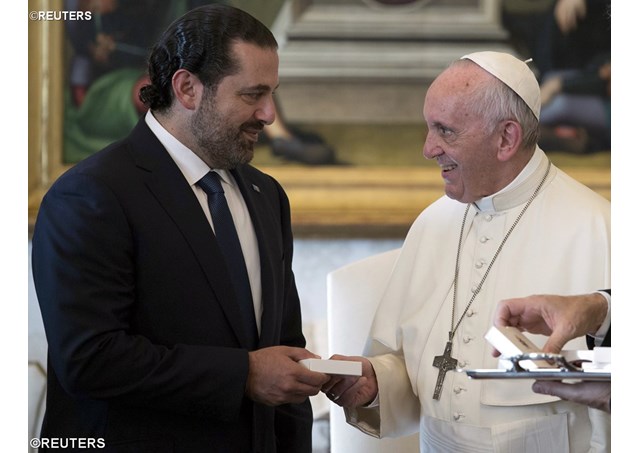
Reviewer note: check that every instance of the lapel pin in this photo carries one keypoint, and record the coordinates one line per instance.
(256, 188)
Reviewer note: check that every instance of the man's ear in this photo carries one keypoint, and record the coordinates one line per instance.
(510, 140)
(187, 88)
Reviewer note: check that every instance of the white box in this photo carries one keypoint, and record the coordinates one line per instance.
(511, 342)
(341, 367)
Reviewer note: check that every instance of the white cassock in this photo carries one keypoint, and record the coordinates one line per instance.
(561, 246)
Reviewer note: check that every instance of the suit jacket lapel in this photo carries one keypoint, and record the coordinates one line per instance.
(167, 184)
(258, 209)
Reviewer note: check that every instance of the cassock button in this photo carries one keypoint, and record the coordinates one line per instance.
(457, 416)
(470, 313)
(484, 239)
(467, 339)
(488, 217)
(457, 390)
(479, 264)
(462, 364)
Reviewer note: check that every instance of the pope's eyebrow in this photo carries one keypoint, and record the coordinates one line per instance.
(437, 125)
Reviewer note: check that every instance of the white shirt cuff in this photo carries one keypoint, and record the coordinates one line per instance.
(606, 324)
(374, 403)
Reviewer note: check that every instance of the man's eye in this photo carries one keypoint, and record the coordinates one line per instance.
(252, 96)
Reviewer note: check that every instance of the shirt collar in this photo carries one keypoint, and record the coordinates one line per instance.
(192, 167)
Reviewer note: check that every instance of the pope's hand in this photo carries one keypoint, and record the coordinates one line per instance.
(352, 391)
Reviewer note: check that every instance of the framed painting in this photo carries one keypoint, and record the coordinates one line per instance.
(352, 72)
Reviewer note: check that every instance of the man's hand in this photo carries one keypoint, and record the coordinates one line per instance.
(568, 13)
(276, 377)
(352, 391)
(593, 394)
(549, 89)
(562, 318)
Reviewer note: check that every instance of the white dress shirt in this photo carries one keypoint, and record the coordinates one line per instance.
(193, 169)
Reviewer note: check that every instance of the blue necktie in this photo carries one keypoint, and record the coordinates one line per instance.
(229, 243)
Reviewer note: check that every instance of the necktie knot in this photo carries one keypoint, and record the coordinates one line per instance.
(210, 183)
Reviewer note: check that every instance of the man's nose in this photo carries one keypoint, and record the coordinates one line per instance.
(266, 111)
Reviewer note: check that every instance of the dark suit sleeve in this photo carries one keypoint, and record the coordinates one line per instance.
(84, 271)
(606, 342)
(293, 422)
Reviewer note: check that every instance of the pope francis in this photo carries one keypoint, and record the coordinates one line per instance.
(511, 224)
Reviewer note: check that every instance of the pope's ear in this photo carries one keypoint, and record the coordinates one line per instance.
(510, 140)
(187, 88)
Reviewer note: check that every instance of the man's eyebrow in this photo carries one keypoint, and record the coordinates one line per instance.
(260, 87)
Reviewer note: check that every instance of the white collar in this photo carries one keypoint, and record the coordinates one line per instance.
(192, 167)
(519, 190)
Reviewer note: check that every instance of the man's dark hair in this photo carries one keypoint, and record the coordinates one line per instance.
(200, 42)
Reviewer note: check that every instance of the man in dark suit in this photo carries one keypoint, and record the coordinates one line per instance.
(150, 348)
(563, 318)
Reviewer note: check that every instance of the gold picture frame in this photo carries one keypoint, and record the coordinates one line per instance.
(333, 201)
(45, 73)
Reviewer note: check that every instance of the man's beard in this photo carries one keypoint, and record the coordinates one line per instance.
(222, 145)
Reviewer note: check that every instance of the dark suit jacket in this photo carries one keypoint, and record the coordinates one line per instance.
(146, 348)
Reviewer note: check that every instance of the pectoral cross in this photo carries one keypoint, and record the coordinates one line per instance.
(444, 363)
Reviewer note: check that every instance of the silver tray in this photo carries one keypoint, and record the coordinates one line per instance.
(560, 370)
